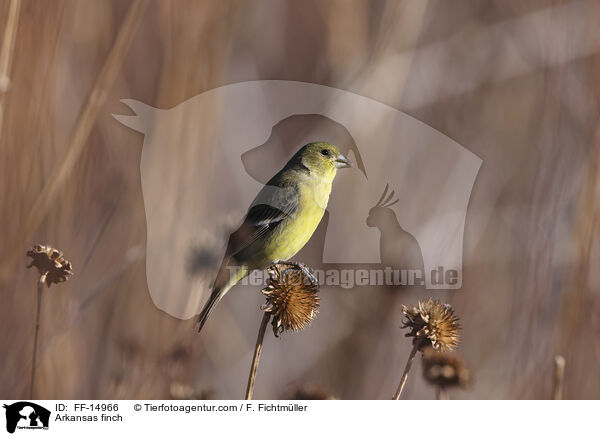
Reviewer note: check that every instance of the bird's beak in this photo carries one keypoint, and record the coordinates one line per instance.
(342, 162)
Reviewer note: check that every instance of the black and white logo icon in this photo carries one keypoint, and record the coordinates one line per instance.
(26, 415)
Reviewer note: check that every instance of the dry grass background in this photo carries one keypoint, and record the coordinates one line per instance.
(514, 82)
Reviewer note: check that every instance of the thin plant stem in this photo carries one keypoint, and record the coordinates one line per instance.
(559, 376)
(6, 53)
(407, 368)
(255, 359)
(79, 135)
(40, 287)
(441, 393)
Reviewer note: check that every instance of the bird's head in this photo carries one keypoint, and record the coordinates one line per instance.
(322, 158)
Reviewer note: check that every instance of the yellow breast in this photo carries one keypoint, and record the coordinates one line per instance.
(294, 232)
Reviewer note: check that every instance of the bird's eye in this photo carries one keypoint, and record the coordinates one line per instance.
(325, 152)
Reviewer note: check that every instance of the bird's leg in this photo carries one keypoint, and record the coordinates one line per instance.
(306, 270)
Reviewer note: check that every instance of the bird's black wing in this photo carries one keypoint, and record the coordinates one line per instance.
(270, 207)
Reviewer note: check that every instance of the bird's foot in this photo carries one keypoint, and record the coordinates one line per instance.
(314, 281)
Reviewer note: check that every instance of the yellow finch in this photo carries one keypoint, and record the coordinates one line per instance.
(281, 219)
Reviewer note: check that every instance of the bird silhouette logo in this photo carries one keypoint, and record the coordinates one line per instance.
(398, 248)
(204, 160)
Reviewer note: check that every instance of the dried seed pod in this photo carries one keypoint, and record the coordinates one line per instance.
(291, 297)
(51, 263)
(433, 324)
(445, 369)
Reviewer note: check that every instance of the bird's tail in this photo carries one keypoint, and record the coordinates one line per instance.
(220, 288)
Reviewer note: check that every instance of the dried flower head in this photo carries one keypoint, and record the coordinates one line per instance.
(445, 369)
(433, 324)
(291, 297)
(204, 256)
(51, 263)
(310, 392)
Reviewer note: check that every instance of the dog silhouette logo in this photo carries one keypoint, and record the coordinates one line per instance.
(26, 415)
(204, 160)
